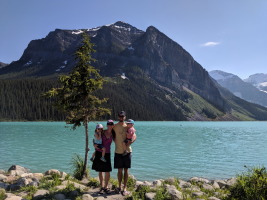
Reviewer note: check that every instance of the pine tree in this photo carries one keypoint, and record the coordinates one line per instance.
(76, 96)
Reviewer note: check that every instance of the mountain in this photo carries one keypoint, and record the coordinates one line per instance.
(258, 80)
(240, 88)
(2, 65)
(147, 73)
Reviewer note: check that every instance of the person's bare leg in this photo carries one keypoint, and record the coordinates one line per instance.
(125, 180)
(107, 177)
(120, 176)
(100, 175)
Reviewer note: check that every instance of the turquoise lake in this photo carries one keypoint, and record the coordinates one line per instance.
(212, 150)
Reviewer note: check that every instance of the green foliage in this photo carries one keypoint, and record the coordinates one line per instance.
(162, 194)
(49, 183)
(93, 183)
(114, 183)
(140, 192)
(30, 190)
(77, 164)
(131, 183)
(250, 186)
(2, 195)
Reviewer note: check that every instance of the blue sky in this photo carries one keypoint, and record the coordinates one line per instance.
(229, 35)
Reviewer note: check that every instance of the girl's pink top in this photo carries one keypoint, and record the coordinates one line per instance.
(130, 133)
(106, 142)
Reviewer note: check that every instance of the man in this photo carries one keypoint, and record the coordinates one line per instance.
(122, 162)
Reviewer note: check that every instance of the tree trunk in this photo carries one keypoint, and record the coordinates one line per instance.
(86, 149)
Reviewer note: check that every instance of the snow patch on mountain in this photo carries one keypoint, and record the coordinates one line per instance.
(77, 32)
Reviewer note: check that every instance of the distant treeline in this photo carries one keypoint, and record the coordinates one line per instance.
(22, 100)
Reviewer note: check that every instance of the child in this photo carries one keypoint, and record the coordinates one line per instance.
(129, 135)
(98, 141)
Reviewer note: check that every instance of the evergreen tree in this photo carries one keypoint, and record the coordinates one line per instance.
(76, 96)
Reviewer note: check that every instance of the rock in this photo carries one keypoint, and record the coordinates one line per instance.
(38, 176)
(146, 183)
(77, 185)
(53, 171)
(13, 187)
(40, 193)
(198, 194)
(63, 174)
(87, 197)
(213, 198)
(157, 183)
(59, 196)
(207, 187)
(13, 198)
(3, 177)
(16, 170)
(184, 184)
(221, 183)
(139, 183)
(231, 182)
(174, 193)
(202, 180)
(150, 196)
(34, 183)
(73, 194)
(27, 175)
(22, 182)
(215, 185)
(60, 187)
(172, 181)
(2, 171)
(195, 188)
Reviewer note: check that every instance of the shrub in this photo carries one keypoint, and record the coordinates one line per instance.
(77, 163)
(250, 185)
(93, 183)
(2, 194)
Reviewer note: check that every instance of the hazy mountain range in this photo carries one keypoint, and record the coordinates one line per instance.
(250, 89)
(147, 73)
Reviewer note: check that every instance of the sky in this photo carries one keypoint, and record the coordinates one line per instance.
(227, 35)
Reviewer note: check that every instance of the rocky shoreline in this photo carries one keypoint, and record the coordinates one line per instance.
(19, 183)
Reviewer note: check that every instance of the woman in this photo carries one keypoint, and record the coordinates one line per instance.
(100, 166)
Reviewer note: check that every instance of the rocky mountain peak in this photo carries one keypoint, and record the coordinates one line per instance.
(221, 75)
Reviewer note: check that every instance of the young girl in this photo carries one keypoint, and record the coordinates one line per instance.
(129, 135)
(98, 141)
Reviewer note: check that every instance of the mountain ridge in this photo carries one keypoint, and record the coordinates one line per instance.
(150, 57)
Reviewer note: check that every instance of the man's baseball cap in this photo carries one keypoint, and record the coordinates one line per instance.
(122, 114)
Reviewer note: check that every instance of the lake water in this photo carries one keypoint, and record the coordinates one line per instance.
(211, 150)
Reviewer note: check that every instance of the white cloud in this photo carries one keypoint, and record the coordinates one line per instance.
(210, 44)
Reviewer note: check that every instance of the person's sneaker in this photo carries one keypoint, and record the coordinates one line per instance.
(103, 159)
(125, 153)
(92, 159)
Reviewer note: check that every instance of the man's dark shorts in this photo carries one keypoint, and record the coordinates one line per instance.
(121, 161)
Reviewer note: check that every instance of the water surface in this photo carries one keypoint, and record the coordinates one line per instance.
(164, 149)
